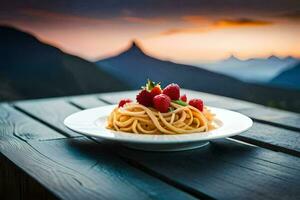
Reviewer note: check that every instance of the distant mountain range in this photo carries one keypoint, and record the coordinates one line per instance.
(289, 78)
(30, 68)
(256, 70)
(134, 67)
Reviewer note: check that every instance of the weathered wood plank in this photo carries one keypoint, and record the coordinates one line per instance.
(86, 102)
(237, 168)
(15, 184)
(23, 126)
(79, 168)
(60, 180)
(51, 112)
(217, 169)
(275, 138)
(226, 170)
(285, 119)
(114, 97)
(105, 171)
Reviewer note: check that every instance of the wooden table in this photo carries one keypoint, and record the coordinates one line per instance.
(42, 159)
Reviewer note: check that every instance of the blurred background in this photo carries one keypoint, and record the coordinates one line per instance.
(248, 49)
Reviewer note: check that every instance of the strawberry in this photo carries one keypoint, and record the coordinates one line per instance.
(155, 91)
(162, 103)
(144, 98)
(183, 98)
(124, 101)
(172, 90)
(197, 103)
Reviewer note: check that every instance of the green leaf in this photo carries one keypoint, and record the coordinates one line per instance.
(150, 85)
(179, 102)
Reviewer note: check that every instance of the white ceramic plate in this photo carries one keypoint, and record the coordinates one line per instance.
(92, 122)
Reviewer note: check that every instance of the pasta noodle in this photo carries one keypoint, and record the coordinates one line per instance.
(136, 118)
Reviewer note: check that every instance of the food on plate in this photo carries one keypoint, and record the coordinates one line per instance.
(161, 111)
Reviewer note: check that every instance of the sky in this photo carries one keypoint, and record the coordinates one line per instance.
(187, 31)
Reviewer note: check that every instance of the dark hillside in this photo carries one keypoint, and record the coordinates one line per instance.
(32, 69)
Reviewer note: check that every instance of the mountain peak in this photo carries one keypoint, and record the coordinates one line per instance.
(290, 58)
(232, 58)
(135, 47)
(134, 43)
(273, 57)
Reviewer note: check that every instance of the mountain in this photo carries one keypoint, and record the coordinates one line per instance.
(30, 68)
(256, 70)
(134, 66)
(289, 78)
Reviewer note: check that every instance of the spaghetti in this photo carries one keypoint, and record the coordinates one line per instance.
(136, 118)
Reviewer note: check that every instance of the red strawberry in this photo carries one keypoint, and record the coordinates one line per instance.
(197, 103)
(144, 98)
(124, 101)
(155, 91)
(183, 98)
(162, 103)
(172, 90)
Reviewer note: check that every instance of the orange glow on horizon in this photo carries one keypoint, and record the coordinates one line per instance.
(191, 38)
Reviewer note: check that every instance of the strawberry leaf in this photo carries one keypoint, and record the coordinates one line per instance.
(150, 85)
(179, 102)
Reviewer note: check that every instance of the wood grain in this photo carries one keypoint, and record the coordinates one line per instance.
(225, 170)
(79, 168)
(116, 178)
(227, 163)
(23, 126)
(115, 97)
(85, 102)
(52, 112)
(275, 138)
(15, 184)
(60, 180)
(272, 116)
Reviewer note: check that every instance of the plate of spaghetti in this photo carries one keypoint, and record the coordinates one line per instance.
(159, 120)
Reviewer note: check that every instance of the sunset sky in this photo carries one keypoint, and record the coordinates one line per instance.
(184, 31)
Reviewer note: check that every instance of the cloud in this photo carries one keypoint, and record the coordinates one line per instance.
(141, 20)
(60, 17)
(293, 14)
(199, 24)
(240, 22)
(195, 19)
(185, 30)
(202, 24)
